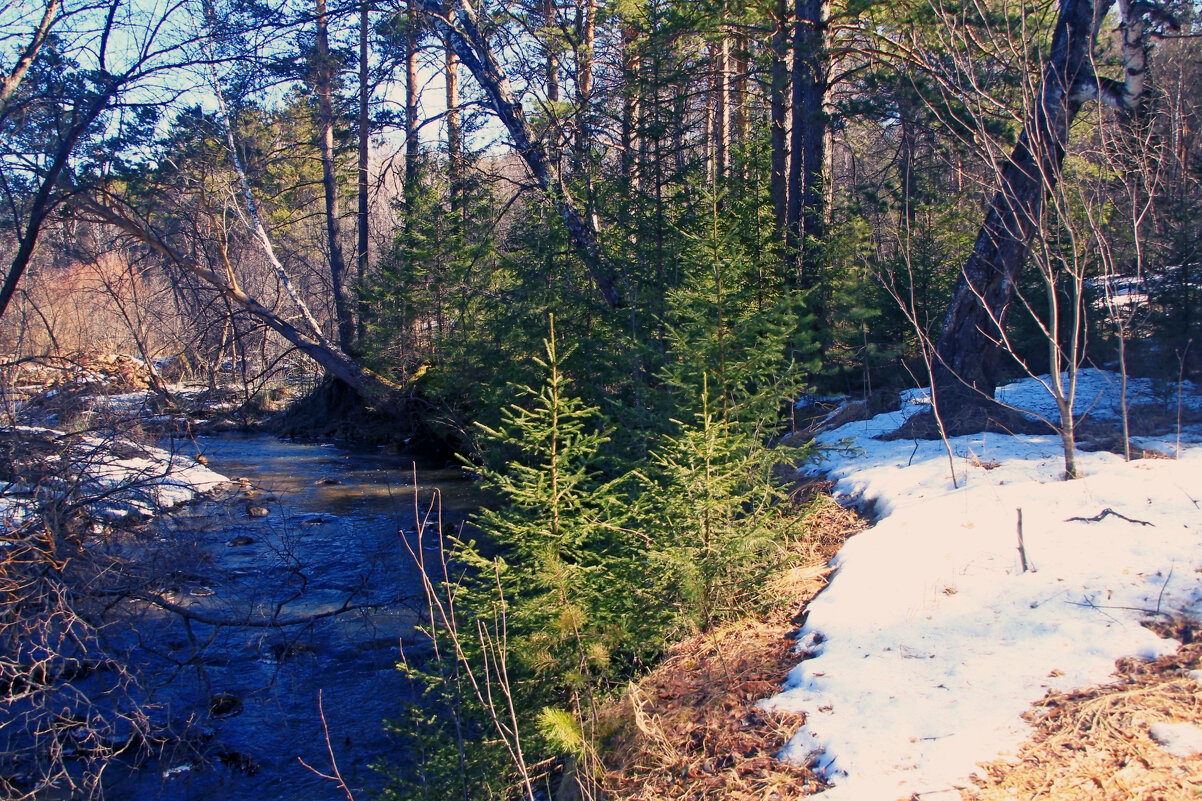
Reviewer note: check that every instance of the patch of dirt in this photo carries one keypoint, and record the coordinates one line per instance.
(971, 419)
(1095, 744)
(1144, 420)
(690, 729)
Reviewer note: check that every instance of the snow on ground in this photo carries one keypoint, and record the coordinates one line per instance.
(148, 481)
(121, 477)
(931, 641)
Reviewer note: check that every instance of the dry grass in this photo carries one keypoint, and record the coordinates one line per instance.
(691, 730)
(1095, 745)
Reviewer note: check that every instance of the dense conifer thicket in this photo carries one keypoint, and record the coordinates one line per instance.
(600, 247)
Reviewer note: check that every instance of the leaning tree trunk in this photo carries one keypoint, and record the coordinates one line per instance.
(969, 349)
(374, 388)
(10, 82)
(460, 26)
(45, 200)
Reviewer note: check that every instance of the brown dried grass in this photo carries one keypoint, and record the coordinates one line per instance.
(1094, 744)
(690, 729)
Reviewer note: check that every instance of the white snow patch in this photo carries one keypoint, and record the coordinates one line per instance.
(146, 482)
(931, 642)
(1179, 739)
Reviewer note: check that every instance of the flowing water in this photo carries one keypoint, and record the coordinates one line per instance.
(337, 532)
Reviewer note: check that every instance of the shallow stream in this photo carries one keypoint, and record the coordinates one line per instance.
(312, 529)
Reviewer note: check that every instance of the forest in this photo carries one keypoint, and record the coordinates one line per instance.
(597, 252)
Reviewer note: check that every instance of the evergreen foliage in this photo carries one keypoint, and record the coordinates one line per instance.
(629, 447)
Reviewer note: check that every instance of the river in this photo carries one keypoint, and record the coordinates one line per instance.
(320, 527)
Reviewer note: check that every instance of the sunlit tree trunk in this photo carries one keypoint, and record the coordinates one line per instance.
(631, 106)
(412, 93)
(10, 82)
(741, 112)
(587, 34)
(454, 131)
(552, 66)
(722, 108)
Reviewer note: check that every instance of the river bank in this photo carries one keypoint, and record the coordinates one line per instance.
(238, 602)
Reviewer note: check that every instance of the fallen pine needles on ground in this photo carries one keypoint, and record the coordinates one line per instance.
(691, 728)
(1097, 744)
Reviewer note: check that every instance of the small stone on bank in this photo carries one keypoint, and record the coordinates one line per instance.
(256, 511)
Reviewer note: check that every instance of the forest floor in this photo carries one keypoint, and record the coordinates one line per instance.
(701, 725)
(1099, 743)
(691, 729)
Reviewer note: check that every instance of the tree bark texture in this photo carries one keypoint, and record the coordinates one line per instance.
(584, 75)
(722, 106)
(631, 107)
(779, 112)
(969, 351)
(806, 210)
(454, 131)
(552, 65)
(361, 243)
(459, 24)
(10, 82)
(412, 90)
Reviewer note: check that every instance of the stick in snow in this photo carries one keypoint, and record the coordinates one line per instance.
(1105, 512)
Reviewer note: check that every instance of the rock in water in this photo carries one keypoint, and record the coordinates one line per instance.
(224, 705)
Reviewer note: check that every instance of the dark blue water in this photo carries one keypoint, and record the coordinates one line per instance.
(337, 535)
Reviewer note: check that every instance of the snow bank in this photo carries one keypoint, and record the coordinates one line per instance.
(931, 641)
(122, 478)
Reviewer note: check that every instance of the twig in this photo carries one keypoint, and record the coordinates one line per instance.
(1164, 586)
(1022, 549)
(1100, 607)
(336, 776)
(1105, 513)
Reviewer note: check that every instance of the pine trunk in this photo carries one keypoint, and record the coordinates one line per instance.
(806, 215)
(631, 107)
(454, 131)
(779, 111)
(323, 85)
(721, 91)
(552, 69)
(412, 91)
(364, 142)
